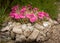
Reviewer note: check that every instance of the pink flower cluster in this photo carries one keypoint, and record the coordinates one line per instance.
(25, 12)
(42, 14)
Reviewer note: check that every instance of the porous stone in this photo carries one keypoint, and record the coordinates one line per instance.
(10, 41)
(5, 36)
(18, 24)
(12, 34)
(20, 38)
(8, 28)
(24, 27)
(31, 32)
(38, 26)
(41, 36)
(17, 30)
(51, 21)
(31, 28)
(27, 32)
(9, 23)
(55, 22)
(58, 20)
(46, 24)
(28, 24)
(34, 34)
(13, 24)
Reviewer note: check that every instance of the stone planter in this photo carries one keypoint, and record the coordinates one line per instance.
(27, 32)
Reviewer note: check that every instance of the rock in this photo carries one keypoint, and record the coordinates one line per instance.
(55, 35)
(18, 24)
(34, 34)
(10, 41)
(58, 15)
(31, 28)
(5, 36)
(58, 20)
(55, 22)
(7, 28)
(41, 36)
(24, 27)
(17, 30)
(12, 34)
(38, 26)
(9, 23)
(29, 24)
(20, 38)
(13, 24)
(46, 24)
(0, 40)
(50, 20)
(42, 33)
(49, 41)
(4, 24)
(27, 32)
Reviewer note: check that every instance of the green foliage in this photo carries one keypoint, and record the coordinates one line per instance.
(45, 5)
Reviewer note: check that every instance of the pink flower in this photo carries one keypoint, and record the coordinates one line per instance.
(14, 15)
(31, 17)
(23, 9)
(41, 15)
(22, 16)
(28, 16)
(35, 9)
(47, 15)
(11, 15)
(29, 6)
(14, 8)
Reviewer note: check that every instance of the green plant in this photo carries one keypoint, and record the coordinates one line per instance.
(45, 5)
